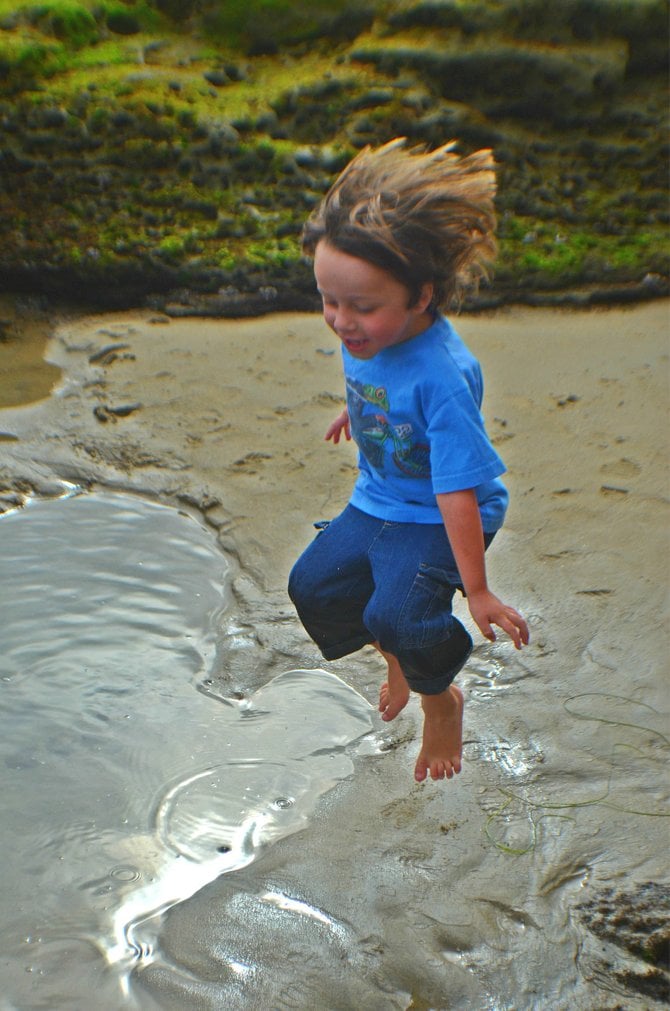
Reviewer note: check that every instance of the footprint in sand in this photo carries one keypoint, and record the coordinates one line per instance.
(252, 463)
(621, 468)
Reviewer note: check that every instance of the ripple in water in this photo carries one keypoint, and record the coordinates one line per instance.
(126, 789)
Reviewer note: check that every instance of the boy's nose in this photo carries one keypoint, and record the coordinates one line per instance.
(343, 322)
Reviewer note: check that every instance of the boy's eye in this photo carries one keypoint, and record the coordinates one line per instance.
(330, 303)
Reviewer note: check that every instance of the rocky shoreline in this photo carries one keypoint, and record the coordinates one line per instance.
(291, 291)
(142, 161)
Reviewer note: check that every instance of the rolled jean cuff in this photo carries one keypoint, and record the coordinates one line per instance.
(345, 648)
(435, 684)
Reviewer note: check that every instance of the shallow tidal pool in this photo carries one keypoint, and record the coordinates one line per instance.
(128, 784)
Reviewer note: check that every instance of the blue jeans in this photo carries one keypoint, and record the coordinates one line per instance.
(365, 580)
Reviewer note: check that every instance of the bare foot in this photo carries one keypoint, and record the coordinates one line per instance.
(394, 693)
(440, 754)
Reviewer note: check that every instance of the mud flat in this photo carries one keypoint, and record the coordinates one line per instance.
(509, 886)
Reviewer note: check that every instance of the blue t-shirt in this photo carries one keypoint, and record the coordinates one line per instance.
(414, 410)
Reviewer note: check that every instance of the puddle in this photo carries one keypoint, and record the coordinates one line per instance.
(25, 376)
(127, 785)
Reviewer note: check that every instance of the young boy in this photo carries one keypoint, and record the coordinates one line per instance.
(395, 241)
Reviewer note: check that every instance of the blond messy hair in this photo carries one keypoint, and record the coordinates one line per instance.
(425, 217)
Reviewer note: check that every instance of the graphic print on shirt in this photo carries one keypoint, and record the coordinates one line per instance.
(387, 447)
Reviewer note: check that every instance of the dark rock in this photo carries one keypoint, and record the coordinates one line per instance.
(267, 121)
(306, 157)
(42, 143)
(53, 117)
(456, 120)
(122, 119)
(153, 47)
(10, 21)
(235, 72)
(507, 80)
(219, 78)
(243, 124)
(418, 100)
(123, 22)
(205, 208)
(372, 98)
(234, 304)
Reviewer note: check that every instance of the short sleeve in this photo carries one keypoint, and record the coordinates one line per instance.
(461, 454)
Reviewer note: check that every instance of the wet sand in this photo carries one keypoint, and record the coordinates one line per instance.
(464, 894)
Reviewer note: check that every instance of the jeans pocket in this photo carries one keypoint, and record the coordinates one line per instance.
(425, 616)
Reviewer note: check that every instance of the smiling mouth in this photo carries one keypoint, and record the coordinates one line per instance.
(354, 345)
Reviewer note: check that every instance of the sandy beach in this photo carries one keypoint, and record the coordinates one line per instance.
(459, 895)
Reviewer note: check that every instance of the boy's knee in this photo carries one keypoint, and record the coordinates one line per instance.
(306, 588)
(298, 580)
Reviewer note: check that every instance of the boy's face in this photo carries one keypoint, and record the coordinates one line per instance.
(364, 305)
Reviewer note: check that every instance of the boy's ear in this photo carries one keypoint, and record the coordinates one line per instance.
(425, 297)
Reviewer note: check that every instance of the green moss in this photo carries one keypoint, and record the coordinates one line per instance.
(74, 19)
(109, 53)
(629, 252)
(172, 246)
(553, 260)
(23, 58)
(578, 256)
(263, 26)
(275, 252)
(57, 37)
(225, 259)
(68, 20)
(98, 120)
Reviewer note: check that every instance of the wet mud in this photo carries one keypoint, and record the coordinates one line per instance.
(538, 878)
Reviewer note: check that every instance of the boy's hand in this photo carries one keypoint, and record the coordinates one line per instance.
(487, 610)
(341, 424)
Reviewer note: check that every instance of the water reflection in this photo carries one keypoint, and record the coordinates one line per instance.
(126, 788)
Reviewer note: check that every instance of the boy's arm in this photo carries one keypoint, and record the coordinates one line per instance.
(462, 520)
